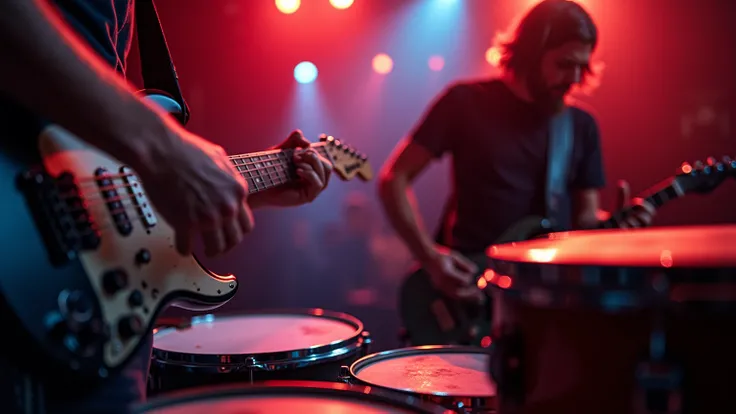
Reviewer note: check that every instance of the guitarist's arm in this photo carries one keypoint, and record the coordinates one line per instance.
(398, 200)
(49, 70)
(449, 271)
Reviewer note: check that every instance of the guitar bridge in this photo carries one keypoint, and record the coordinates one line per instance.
(60, 214)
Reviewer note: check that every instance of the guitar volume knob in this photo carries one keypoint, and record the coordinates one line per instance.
(130, 326)
(114, 281)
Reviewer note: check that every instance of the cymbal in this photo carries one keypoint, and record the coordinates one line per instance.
(679, 247)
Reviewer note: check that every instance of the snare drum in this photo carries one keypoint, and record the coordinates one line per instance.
(635, 321)
(288, 397)
(453, 376)
(309, 345)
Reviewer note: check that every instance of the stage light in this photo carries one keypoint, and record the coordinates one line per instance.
(288, 6)
(436, 63)
(305, 72)
(493, 56)
(341, 4)
(382, 63)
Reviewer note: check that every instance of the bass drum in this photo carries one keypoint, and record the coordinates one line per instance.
(274, 345)
(303, 397)
(455, 377)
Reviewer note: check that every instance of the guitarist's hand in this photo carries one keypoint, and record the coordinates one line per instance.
(313, 172)
(453, 274)
(195, 187)
(637, 212)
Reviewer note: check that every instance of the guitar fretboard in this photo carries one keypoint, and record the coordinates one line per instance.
(658, 196)
(268, 169)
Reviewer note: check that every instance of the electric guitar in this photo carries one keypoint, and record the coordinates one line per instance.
(431, 318)
(87, 263)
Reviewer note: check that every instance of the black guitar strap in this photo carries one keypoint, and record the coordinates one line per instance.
(559, 153)
(157, 67)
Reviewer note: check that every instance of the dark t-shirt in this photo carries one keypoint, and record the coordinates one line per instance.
(106, 25)
(498, 145)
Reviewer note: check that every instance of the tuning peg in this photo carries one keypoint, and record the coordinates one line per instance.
(698, 165)
(363, 157)
(323, 137)
(338, 144)
(711, 161)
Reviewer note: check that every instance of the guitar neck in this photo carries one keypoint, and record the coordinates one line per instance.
(268, 169)
(657, 196)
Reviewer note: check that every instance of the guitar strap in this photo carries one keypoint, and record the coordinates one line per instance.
(559, 153)
(157, 67)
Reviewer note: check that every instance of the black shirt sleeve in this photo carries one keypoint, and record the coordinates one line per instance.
(434, 132)
(590, 174)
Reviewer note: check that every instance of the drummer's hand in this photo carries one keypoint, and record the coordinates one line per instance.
(453, 274)
(637, 211)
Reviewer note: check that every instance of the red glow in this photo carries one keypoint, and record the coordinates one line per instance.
(486, 341)
(341, 4)
(665, 258)
(493, 56)
(436, 63)
(383, 63)
(288, 6)
(504, 282)
(687, 168)
(482, 283)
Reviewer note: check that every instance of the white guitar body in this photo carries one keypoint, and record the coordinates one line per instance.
(164, 274)
(88, 264)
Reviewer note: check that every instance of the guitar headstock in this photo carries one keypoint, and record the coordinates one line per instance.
(704, 177)
(346, 161)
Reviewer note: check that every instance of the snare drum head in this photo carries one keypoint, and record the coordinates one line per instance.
(255, 334)
(303, 397)
(431, 370)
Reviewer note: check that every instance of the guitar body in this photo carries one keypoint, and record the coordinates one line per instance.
(87, 262)
(431, 318)
(81, 287)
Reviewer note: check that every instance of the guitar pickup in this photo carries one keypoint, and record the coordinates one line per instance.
(114, 202)
(60, 214)
(135, 189)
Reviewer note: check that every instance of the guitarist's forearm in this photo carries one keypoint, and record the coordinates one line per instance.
(49, 70)
(399, 203)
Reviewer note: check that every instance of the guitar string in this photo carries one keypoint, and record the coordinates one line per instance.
(278, 177)
(285, 162)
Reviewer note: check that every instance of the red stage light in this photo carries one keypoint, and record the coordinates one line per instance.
(341, 4)
(288, 6)
(382, 63)
(493, 56)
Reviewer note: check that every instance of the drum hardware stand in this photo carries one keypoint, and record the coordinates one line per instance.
(507, 365)
(659, 379)
(344, 375)
(250, 364)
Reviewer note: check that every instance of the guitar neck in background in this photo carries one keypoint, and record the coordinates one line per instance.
(268, 169)
(657, 196)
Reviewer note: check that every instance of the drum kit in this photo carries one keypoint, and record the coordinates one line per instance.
(605, 321)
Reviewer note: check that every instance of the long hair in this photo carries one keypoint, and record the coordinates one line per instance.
(548, 25)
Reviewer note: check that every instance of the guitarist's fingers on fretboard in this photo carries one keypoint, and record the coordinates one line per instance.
(623, 194)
